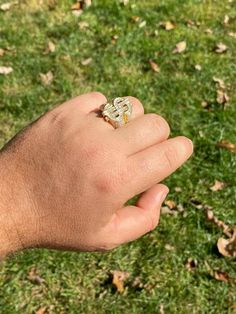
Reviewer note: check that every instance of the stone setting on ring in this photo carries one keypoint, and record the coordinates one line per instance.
(118, 112)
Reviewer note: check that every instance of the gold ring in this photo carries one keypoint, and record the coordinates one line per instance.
(118, 112)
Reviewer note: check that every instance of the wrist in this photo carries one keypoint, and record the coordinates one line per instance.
(15, 234)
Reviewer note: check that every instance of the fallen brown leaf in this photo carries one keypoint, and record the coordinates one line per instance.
(47, 78)
(191, 264)
(219, 82)
(86, 61)
(180, 47)
(50, 48)
(227, 230)
(171, 204)
(154, 66)
(136, 18)
(226, 20)
(2, 52)
(232, 34)
(221, 276)
(218, 186)
(83, 25)
(198, 67)
(119, 278)
(34, 278)
(5, 70)
(228, 145)
(142, 24)
(167, 25)
(6, 6)
(221, 48)
(42, 310)
(222, 97)
(227, 247)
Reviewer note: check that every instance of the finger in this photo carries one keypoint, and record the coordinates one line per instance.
(137, 111)
(145, 131)
(155, 163)
(131, 222)
(86, 102)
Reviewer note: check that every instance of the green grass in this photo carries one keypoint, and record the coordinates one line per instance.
(79, 282)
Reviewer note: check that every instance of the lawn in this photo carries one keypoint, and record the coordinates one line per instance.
(108, 48)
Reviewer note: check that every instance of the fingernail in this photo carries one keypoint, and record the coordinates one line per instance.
(163, 195)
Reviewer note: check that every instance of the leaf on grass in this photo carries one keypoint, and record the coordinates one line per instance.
(136, 18)
(162, 310)
(142, 24)
(119, 278)
(227, 247)
(221, 48)
(180, 47)
(228, 145)
(2, 52)
(219, 81)
(226, 20)
(205, 104)
(169, 247)
(221, 276)
(191, 264)
(86, 61)
(50, 48)
(83, 25)
(6, 6)
(47, 78)
(5, 70)
(171, 204)
(227, 230)
(222, 97)
(42, 310)
(178, 189)
(218, 186)
(198, 67)
(232, 34)
(34, 278)
(167, 25)
(154, 66)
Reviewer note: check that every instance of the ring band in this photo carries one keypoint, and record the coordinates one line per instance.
(118, 112)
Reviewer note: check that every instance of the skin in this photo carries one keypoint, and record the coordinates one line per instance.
(66, 177)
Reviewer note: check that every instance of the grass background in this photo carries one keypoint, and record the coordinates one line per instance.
(79, 283)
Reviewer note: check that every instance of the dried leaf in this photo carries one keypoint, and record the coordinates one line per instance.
(220, 82)
(142, 24)
(83, 25)
(6, 6)
(34, 278)
(178, 189)
(232, 34)
(218, 186)
(222, 97)
(204, 104)
(171, 204)
(119, 278)
(2, 52)
(42, 310)
(221, 276)
(161, 310)
(5, 70)
(168, 26)
(228, 145)
(154, 66)
(226, 20)
(209, 31)
(180, 47)
(136, 18)
(227, 230)
(77, 6)
(221, 48)
(198, 67)
(169, 247)
(165, 210)
(50, 47)
(191, 264)
(47, 78)
(86, 61)
(227, 247)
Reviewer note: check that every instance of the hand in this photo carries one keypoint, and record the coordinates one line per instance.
(69, 174)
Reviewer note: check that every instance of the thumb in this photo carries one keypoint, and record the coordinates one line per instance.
(131, 222)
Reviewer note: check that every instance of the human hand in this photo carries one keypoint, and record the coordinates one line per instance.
(69, 174)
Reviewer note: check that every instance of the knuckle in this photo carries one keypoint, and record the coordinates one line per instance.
(99, 95)
(171, 158)
(159, 124)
